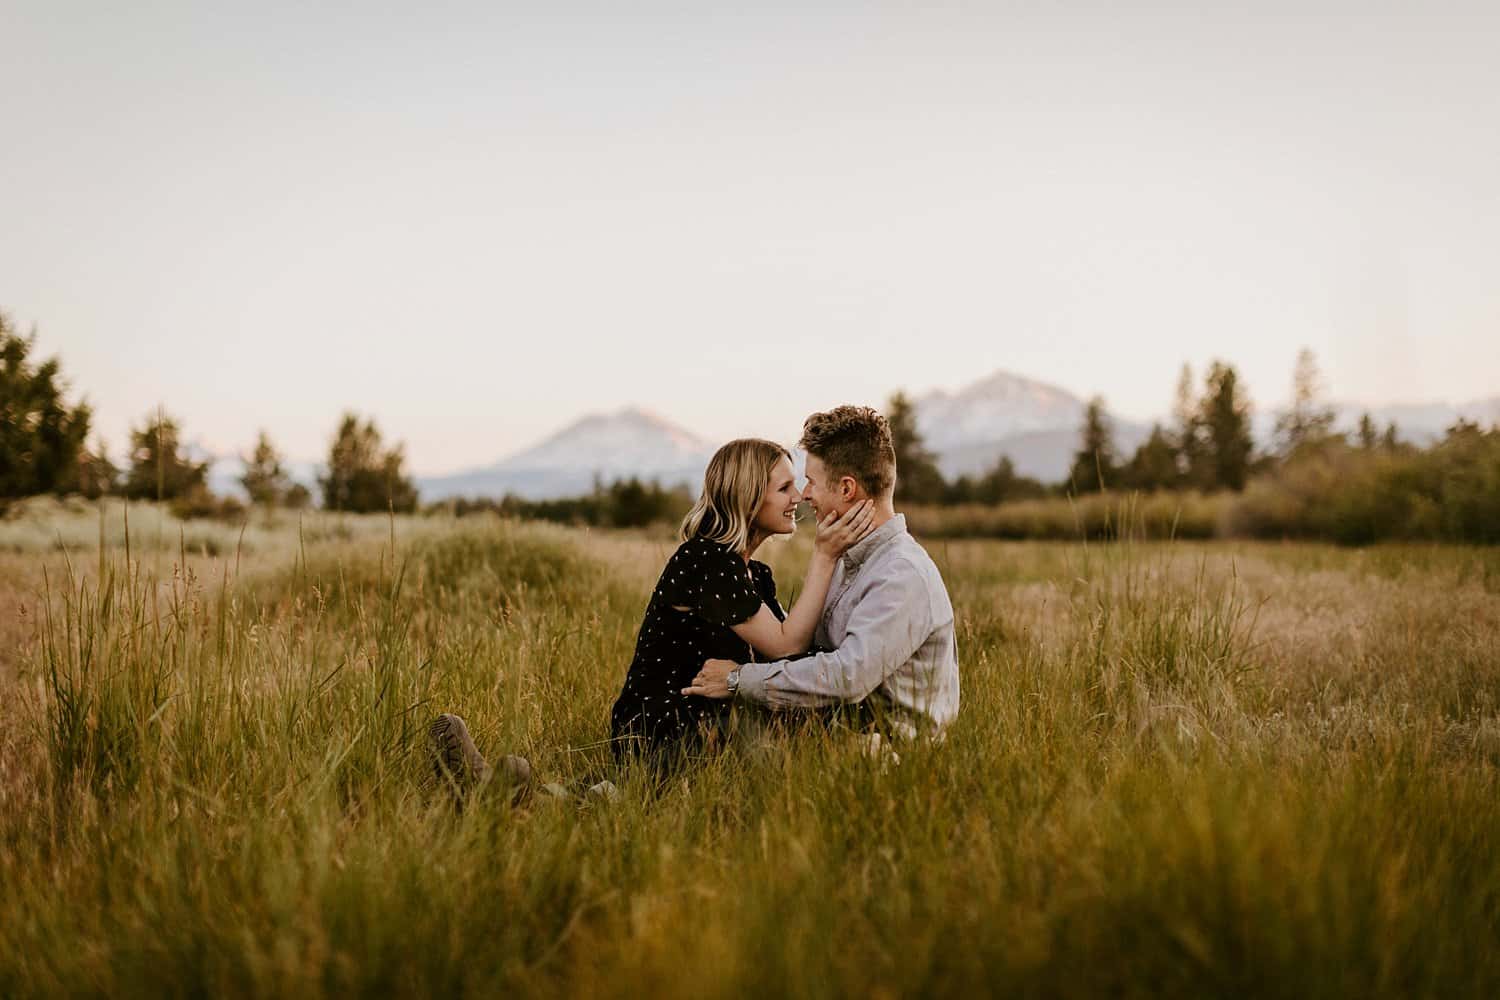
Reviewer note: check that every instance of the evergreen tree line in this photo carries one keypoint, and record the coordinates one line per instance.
(1205, 446)
(1208, 444)
(1311, 482)
(44, 449)
(624, 503)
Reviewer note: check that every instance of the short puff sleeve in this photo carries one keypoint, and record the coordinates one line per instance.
(765, 584)
(713, 581)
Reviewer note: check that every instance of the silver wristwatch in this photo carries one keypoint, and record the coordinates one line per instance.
(733, 680)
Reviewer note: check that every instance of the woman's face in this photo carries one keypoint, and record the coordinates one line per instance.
(777, 513)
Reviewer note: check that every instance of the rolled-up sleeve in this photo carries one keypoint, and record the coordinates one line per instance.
(886, 627)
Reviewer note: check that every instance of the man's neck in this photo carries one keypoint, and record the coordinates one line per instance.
(884, 511)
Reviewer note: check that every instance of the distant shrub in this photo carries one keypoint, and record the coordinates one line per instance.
(1095, 516)
(364, 476)
(1356, 495)
(1329, 490)
(1000, 484)
(200, 503)
(264, 479)
(298, 497)
(625, 503)
(159, 466)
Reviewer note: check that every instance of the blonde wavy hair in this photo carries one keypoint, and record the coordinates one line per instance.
(734, 486)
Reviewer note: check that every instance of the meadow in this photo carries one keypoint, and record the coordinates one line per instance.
(1181, 768)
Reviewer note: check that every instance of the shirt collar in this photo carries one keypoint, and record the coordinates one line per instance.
(866, 547)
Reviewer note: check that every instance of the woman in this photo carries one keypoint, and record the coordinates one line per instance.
(713, 601)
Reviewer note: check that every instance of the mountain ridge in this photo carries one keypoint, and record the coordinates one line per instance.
(631, 442)
(1033, 422)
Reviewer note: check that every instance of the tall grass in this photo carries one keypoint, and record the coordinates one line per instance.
(72, 524)
(1178, 770)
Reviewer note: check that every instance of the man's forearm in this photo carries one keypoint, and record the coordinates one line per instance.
(846, 674)
(886, 627)
(754, 686)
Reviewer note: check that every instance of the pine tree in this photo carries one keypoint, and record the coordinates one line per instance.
(158, 468)
(41, 437)
(1095, 463)
(264, 479)
(1193, 466)
(961, 489)
(1308, 421)
(1001, 484)
(1369, 437)
(98, 476)
(1224, 414)
(362, 476)
(1154, 464)
(918, 479)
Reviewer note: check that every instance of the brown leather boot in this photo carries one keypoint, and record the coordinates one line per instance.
(461, 768)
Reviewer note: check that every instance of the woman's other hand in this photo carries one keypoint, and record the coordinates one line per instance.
(837, 534)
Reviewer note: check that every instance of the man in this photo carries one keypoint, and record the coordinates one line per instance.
(887, 621)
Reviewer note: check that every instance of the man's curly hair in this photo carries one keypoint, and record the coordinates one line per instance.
(853, 441)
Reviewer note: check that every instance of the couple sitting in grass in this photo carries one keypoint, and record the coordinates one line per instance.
(870, 642)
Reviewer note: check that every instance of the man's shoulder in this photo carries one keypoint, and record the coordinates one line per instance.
(905, 551)
(902, 563)
(908, 565)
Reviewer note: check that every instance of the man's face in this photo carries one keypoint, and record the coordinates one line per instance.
(824, 492)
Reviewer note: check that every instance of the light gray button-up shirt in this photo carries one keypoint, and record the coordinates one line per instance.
(889, 623)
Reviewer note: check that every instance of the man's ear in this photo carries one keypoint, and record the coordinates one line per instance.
(848, 488)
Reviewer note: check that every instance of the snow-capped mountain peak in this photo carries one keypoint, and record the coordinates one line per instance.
(631, 442)
(998, 406)
(626, 442)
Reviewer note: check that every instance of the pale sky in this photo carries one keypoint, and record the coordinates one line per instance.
(478, 221)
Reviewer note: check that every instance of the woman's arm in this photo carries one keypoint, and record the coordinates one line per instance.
(781, 639)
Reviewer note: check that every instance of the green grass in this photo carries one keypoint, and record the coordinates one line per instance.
(1181, 769)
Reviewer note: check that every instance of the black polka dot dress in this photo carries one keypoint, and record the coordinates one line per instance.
(720, 590)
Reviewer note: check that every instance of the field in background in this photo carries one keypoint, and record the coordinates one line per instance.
(1151, 516)
(1226, 769)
